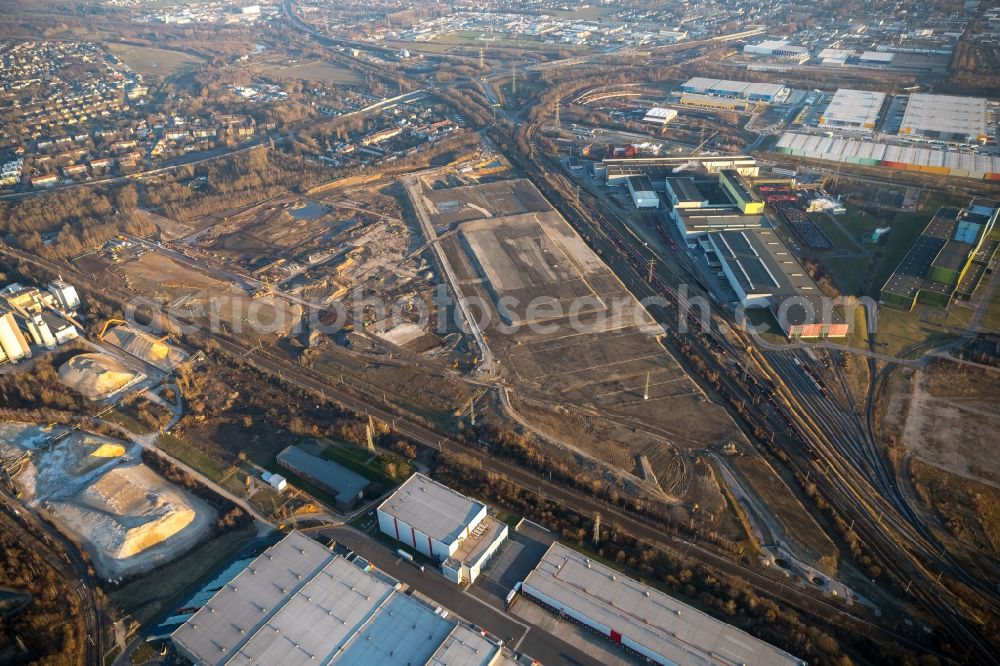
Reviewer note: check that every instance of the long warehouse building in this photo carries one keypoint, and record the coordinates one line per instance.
(759, 92)
(947, 117)
(640, 619)
(299, 604)
(874, 153)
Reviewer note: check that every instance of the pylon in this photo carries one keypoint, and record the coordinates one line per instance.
(645, 392)
(597, 528)
(513, 79)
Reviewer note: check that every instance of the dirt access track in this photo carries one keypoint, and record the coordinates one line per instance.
(561, 326)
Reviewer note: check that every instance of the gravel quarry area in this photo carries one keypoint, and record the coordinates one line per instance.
(97, 490)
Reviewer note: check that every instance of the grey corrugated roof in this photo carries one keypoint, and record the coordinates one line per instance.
(436, 510)
(337, 478)
(662, 624)
(298, 604)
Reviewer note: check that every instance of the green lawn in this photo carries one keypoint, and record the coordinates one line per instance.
(127, 421)
(991, 318)
(769, 330)
(365, 463)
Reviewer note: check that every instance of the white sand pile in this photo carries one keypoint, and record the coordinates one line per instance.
(127, 517)
(129, 511)
(162, 355)
(96, 375)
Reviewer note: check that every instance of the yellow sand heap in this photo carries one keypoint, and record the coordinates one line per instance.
(158, 351)
(146, 347)
(96, 375)
(127, 511)
(108, 451)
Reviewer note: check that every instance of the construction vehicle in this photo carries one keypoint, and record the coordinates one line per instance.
(108, 324)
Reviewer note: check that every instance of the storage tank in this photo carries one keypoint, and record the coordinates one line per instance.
(12, 340)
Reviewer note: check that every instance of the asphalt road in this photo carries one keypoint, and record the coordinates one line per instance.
(532, 641)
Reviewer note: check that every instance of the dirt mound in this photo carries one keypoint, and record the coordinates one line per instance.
(96, 375)
(146, 347)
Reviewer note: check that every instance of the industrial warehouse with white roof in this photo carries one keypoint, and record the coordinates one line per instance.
(856, 110)
(945, 117)
(299, 603)
(444, 525)
(639, 618)
(761, 92)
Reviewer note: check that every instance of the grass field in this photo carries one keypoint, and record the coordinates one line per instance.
(314, 71)
(193, 456)
(152, 61)
(991, 319)
(366, 463)
(832, 231)
(850, 271)
(898, 330)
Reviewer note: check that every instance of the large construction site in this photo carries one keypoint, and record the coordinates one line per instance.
(128, 518)
(578, 356)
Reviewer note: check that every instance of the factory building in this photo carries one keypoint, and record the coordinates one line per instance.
(945, 117)
(834, 57)
(641, 189)
(763, 273)
(299, 604)
(684, 193)
(12, 342)
(876, 58)
(853, 110)
(444, 525)
(621, 167)
(699, 205)
(640, 619)
(778, 48)
(66, 298)
(748, 201)
(949, 258)
(716, 103)
(346, 486)
(760, 92)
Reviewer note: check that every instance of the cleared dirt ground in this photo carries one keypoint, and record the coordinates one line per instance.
(953, 413)
(586, 341)
(582, 359)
